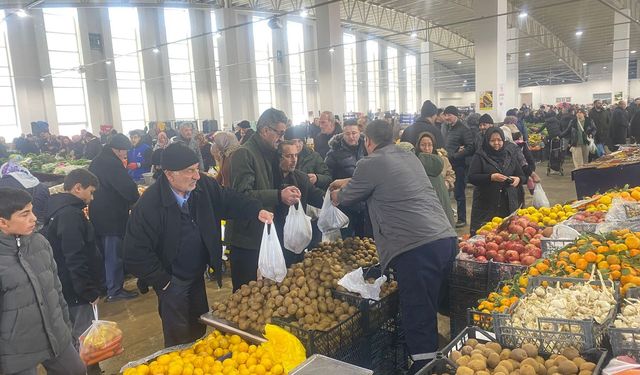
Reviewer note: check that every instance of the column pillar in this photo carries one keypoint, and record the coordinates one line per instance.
(402, 83)
(620, 66)
(491, 57)
(425, 66)
(361, 68)
(383, 77)
(311, 70)
(204, 74)
(281, 69)
(512, 92)
(330, 64)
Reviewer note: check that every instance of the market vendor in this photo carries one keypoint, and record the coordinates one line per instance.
(174, 232)
(139, 157)
(411, 230)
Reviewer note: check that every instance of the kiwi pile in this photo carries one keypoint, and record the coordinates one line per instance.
(352, 252)
(491, 359)
(304, 296)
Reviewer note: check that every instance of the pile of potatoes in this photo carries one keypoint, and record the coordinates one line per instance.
(491, 359)
(304, 296)
(352, 252)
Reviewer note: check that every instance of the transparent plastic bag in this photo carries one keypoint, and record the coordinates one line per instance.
(102, 340)
(331, 219)
(271, 262)
(622, 210)
(539, 197)
(297, 230)
(354, 282)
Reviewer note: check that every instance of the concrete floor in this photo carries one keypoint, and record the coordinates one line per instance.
(139, 321)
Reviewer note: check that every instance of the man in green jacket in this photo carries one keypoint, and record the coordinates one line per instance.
(254, 171)
(309, 161)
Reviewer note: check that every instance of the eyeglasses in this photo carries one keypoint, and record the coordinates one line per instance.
(278, 132)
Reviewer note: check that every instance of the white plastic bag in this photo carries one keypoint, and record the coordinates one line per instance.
(271, 260)
(620, 364)
(355, 283)
(331, 219)
(591, 145)
(297, 229)
(539, 197)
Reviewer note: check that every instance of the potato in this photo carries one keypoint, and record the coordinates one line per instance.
(483, 373)
(527, 370)
(507, 364)
(472, 343)
(463, 361)
(531, 362)
(493, 359)
(540, 360)
(585, 372)
(579, 361)
(478, 357)
(588, 366)
(500, 373)
(466, 350)
(567, 368)
(515, 372)
(549, 363)
(518, 355)
(477, 351)
(505, 354)
(516, 364)
(552, 370)
(494, 346)
(500, 369)
(531, 350)
(560, 359)
(570, 353)
(464, 370)
(455, 355)
(477, 365)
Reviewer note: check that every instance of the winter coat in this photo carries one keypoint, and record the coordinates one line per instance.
(403, 206)
(493, 198)
(412, 133)
(92, 149)
(193, 145)
(634, 128)
(73, 240)
(601, 122)
(109, 209)
(619, 126)
(140, 154)
(553, 127)
(3, 151)
(310, 161)
(253, 168)
(34, 318)
(39, 195)
(448, 174)
(207, 159)
(459, 135)
(434, 167)
(342, 158)
(321, 141)
(572, 132)
(153, 232)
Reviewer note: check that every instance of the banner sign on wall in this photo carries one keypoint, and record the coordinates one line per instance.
(486, 101)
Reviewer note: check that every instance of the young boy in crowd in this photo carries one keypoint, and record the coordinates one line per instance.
(34, 319)
(80, 266)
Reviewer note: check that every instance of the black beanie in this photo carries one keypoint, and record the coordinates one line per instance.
(177, 157)
(295, 132)
(452, 110)
(485, 119)
(120, 142)
(428, 109)
(244, 124)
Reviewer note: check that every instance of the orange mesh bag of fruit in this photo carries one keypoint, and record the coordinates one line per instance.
(102, 340)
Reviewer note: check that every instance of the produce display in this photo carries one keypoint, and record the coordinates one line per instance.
(628, 155)
(629, 316)
(351, 253)
(518, 243)
(46, 163)
(589, 217)
(475, 358)
(603, 202)
(536, 141)
(219, 353)
(548, 216)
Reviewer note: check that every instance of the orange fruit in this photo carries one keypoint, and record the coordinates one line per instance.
(542, 267)
(590, 256)
(603, 265)
(582, 264)
(573, 257)
(613, 259)
(615, 275)
(533, 271)
(632, 242)
(635, 194)
(602, 249)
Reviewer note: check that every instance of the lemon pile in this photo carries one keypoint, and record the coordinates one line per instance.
(548, 216)
(202, 358)
(490, 226)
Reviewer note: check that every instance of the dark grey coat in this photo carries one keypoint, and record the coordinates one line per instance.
(34, 319)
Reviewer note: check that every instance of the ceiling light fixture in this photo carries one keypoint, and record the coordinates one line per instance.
(22, 13)
(459, 62)
(523, 14)
(217, 35)
(332, 50)
(304, 13)
(108, 62)
(604, 67)
(633, 51)
(414, 35)
(560, 60)
(579, 33)
(41, 79)
(584, 64)
(528, 54)
(156, 50)
(465, 81)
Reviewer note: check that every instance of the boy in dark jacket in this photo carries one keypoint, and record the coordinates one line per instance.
(34, 319)
(72, 238)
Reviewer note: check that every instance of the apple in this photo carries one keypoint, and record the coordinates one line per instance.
(491, 254)
(536, 253)
(530, 231)
(481, 259)
(512, 255)
(528, 260)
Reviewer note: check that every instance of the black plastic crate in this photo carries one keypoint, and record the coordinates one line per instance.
(625, 341)
(469, 274)
(461, 299)
(374, 313)
(479, 319)
(443, 365)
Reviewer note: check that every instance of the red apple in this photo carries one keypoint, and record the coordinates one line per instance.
(491, 254)
(481, 259)
(528, 260)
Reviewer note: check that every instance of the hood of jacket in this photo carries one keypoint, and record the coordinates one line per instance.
(62, 200)
(337, 142)
(432, 163)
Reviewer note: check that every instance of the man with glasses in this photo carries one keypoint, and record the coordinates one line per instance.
(174, 233)
(254, 171)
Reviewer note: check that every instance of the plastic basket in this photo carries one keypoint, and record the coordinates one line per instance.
(469, 274)
(479, 319)
(625, 341)
(443, 365)
(460, 301)
(559, 333)
(549, 245)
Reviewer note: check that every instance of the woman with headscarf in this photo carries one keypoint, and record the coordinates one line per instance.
(426, 143)
(496, 174)
(222, 146)
(14, 175)
(162, 141)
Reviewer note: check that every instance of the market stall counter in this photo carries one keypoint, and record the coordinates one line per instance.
(608, 172)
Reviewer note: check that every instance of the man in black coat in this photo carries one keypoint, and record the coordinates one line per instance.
(72, 239)
(599, 117)
(459, 146)
(92, 146)
(109, 210)
(619, 125)
(425, 123)
(174, 232)
(328, 128)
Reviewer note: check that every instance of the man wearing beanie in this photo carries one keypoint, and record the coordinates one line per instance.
(174, 233)
(484, 122)
(426, 123)
(109, 210)
(254, 170)
(460, 146)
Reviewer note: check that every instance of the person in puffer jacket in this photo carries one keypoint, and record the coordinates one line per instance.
(139, 157)
(34, 318)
